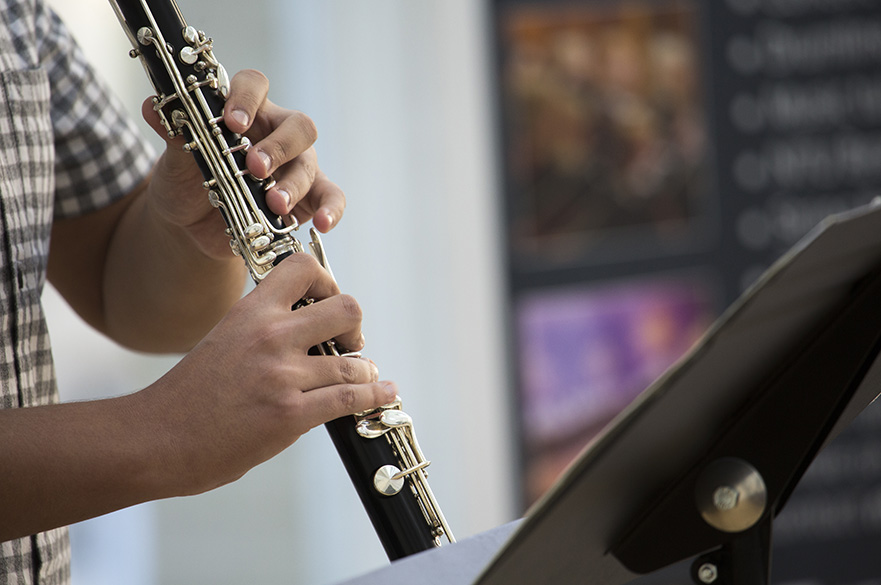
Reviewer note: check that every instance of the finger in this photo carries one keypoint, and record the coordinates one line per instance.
(151, 116)
(296, 277)
(288, 135)
(292, 182)
(318, 371)
(329, 200)
(320, 200)
(175, 158)
(328, 403)
(337, 317)
(247, 93)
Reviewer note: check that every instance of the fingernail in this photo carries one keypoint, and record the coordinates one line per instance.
(265, 159)
(240, 116)
(287, 197)
(325, 224)
(391, 390)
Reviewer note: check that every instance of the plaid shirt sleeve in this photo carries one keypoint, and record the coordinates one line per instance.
(99, 153)
(57, 125)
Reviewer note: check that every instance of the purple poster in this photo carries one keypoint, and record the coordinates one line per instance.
(587, 351)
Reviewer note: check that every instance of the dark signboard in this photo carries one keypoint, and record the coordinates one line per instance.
(658, 155)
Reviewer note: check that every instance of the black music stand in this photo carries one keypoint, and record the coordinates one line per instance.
(700, 464)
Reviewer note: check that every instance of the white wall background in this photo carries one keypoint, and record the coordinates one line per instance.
(400, 91)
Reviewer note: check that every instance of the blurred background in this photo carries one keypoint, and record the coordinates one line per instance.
(549, 202)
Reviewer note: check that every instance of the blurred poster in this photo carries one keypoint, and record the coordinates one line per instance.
(606, 137)
(586, 352)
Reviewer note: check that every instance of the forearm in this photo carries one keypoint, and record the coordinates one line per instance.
(161, 292)
(66, 463)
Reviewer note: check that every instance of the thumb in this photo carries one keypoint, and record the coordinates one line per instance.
(151, 116)
(174, 144)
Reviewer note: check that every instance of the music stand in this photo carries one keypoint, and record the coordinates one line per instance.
(700, 463)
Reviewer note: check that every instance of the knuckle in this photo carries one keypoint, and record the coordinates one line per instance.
(349, 371)
(250, 87)
(278, 152)
(350, 307)
(253, 76)
(347, 397)
(300, 262)
(307, 128)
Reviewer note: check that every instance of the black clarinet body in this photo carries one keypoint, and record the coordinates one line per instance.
(378, 447)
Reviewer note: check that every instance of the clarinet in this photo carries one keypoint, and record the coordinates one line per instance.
(378, 447)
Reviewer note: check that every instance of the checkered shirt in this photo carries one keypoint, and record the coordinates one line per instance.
(66, 149)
